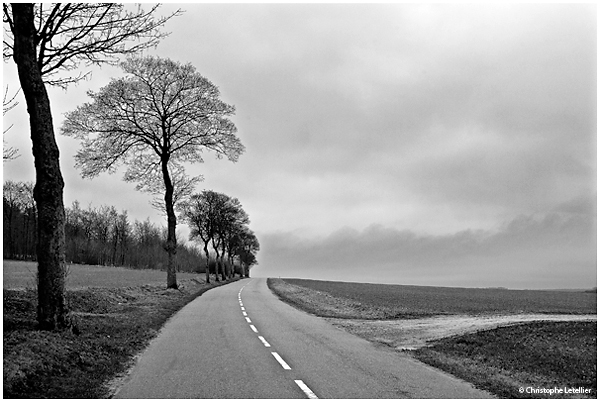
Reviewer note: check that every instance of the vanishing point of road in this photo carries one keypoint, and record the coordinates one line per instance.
(241, 341)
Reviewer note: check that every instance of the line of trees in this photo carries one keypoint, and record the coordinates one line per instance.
(103, 236)
(20, 221)
(219, 220)
(94, 236)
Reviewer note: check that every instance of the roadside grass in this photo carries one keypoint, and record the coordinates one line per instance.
(23, 274)
(379, 301)
(322, 303)
(113, 326)
(501, 360)
(540, 355)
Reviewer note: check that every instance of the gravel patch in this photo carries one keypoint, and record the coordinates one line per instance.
(416, 333)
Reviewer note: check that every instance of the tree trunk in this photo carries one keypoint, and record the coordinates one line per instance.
(225, 268)
(114, 246)
(223, 263)
(171, 225)
(26, 236)
(207, 262)
(217, 263)
(222, 266)
(48, 190)
(11, 240)
(217, 270)
(231, 265)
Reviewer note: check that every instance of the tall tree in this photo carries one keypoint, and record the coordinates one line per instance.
(47, 42)
(200, 214)
(231, 220)
(217, 218)
(241, 244)
(161, 115)
(247, 250)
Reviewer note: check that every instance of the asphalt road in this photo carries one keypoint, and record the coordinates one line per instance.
(241, 341)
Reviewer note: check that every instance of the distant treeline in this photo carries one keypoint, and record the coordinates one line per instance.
(94, 236)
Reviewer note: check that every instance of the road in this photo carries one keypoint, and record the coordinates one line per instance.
(241, 341)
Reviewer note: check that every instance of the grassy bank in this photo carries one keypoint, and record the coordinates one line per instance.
(532, 356)
(519, 361)
(113, 325)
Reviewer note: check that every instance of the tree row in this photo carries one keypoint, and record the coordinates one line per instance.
(103, 236)
(218, 220)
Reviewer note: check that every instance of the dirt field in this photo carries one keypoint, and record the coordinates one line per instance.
(416, 333)
(362, 309)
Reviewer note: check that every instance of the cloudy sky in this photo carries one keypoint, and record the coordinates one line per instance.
(397, 143)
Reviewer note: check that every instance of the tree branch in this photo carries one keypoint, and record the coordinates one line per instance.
(88, 33)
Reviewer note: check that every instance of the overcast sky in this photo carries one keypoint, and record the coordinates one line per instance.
(399, 143)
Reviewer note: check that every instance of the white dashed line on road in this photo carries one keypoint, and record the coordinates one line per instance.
(306, 390)
(281, 361)
(264, 341)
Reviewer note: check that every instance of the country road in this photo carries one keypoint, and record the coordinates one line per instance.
(241, 341)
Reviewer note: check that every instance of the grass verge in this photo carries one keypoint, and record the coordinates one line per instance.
(322, 303)
(115, 324)
(521, 360)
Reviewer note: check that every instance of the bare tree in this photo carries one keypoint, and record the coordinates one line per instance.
(49, 42)
(219, 219)
(161, 115)
(201, 214)
(231, 220)
(247, 248)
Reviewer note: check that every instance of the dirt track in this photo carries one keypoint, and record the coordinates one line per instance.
(415, 333)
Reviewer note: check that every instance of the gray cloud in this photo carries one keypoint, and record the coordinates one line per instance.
(552, 250)
(468, 105)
